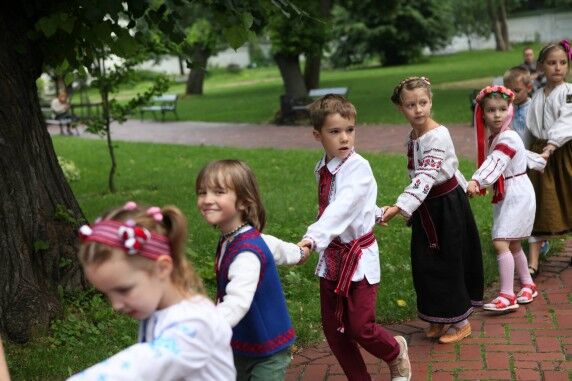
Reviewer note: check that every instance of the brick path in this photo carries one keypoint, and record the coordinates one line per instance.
(533, 343)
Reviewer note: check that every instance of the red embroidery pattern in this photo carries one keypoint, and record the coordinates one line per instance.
(505, 149)
(264, 347)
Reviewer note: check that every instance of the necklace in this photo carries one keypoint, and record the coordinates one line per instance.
(233, 232)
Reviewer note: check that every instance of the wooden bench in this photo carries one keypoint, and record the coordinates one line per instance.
(317, 93)
(163, 104)
(50, 120)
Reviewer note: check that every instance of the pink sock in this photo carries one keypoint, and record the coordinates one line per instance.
(521, 265)
(506, 272)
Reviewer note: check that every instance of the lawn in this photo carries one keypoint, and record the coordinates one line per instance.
(164, 174)
(252, 95)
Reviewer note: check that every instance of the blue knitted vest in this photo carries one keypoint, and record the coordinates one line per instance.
(266, 328)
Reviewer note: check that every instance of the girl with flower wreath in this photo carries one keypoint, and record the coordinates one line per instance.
(549, 119)
(135, 255)
(446, 258)
(514, 205)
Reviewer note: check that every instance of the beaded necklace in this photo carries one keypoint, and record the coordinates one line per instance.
(226, 236)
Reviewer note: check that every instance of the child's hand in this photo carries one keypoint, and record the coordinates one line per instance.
(472, 188)
(305, 254)
(388, 213)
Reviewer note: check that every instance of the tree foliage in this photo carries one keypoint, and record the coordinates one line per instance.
(396, 31)
(470, 19)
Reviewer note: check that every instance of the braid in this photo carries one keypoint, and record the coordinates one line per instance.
(410, 83)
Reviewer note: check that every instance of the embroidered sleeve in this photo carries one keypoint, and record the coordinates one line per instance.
(535, 161)
(178, 353)
(561, 130)
(495, 163)
(424, 175)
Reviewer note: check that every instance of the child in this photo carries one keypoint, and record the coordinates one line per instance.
(446, 258)
(518, 80)
(549, 119)
(249, 293)
(513, 199)
(348, 265)
(136, 256)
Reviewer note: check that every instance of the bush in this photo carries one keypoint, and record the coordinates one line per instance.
(233, 68)
(71, 171)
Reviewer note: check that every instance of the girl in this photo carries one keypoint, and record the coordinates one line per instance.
(513, 199)
(136, 256)
(249, 293)
(549, 119)
(445, 249)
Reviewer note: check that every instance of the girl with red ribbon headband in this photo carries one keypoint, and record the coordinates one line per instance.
(136, 256)
(514, 202)
(549, 119)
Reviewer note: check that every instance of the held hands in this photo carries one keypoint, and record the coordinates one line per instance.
(388, 213)
(547, 151)
(472, 188)
(305, 247)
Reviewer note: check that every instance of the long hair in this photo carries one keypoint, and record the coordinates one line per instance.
(173, 225)
(235, 175)
(411, 83)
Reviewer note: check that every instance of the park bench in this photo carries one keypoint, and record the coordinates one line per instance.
(50, 120)
(163, 104)
(317, 93)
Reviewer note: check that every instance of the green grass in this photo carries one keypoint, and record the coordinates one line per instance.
(252, 96)
(164, 174)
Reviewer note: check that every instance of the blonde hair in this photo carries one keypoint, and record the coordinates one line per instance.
(411, 83)
(517, 73)
(549, 48)
(173, 226)
(235, 175)
(330, 104)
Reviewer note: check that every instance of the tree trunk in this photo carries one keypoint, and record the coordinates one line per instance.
(292, 78)
(38, 212)
(312, 71)
(495, 25)
(503, 24)
(198, 71)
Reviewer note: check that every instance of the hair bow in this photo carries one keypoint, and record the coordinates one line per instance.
(133, 238)
(566, 45)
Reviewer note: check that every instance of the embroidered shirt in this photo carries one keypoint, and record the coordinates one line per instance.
(186, 341)
(350, 214)
(550, 117)
(431, 161)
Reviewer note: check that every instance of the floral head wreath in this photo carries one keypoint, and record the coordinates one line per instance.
(397, 90)
(126, 235)
(479, 121)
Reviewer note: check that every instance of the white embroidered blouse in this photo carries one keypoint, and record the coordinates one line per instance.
(550, 117)
(431, 161)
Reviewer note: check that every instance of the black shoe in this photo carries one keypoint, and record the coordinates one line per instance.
(533, 272)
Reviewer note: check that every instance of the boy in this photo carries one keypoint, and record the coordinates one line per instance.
(518, 79)
(348, 265)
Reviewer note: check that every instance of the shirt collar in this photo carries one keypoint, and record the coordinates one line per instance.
(335, 164)
(519, 107)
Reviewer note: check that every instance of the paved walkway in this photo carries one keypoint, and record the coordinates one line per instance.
(533, 343)
(370, 138)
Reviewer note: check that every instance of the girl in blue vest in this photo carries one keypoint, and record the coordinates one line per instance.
(249, 293)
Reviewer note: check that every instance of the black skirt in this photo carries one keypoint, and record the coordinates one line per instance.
(448, 273)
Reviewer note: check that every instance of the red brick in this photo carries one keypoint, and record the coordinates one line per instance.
(315, 372)
(539, 356)
(528, 375)
(485, 374)
(452, 365)
(497, 360)
(520, 337)
(510, 348)
(442, 376)
(526, 364)
(548, 344)
(556, 376)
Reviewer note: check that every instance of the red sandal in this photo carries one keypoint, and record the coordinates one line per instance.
(527, 294)
(503, 302)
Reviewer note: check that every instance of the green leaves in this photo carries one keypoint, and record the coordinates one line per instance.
(50, 24)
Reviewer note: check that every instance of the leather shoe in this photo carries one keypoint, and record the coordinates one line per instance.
(436, 330)
(455, 334)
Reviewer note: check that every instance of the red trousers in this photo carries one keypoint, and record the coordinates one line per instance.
(360, 328)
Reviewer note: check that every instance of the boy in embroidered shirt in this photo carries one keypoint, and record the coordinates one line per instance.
(519, 80)
(348, 265)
